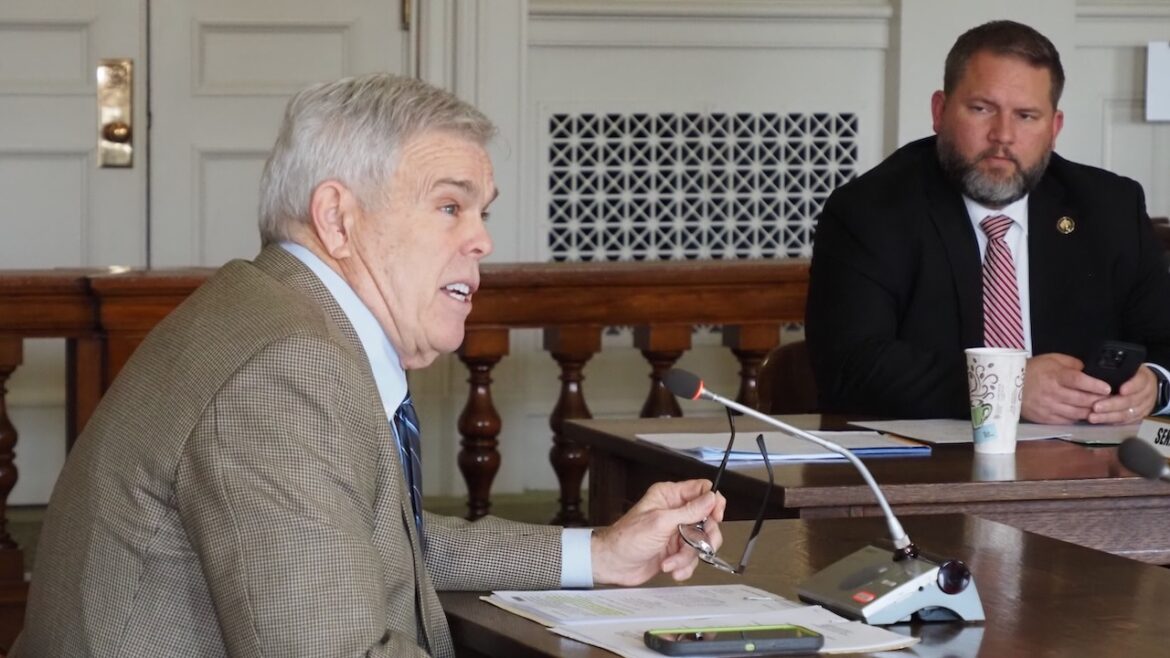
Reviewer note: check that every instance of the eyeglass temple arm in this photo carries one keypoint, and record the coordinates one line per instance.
(901, 539)
(747, 550)
(726, 453)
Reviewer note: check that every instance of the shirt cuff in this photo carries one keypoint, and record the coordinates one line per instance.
(1164, 373)
(576, 558)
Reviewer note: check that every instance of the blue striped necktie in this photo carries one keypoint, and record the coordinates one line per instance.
(410, 448)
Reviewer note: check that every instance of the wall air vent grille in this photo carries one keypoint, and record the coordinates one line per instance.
(677, 186)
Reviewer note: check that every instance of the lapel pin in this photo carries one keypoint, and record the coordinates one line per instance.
(1066, 225)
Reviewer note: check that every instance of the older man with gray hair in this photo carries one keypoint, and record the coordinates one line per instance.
(250, 485)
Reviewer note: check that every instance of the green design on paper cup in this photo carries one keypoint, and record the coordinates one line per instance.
(980, 413)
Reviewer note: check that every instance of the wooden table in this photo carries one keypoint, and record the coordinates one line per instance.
(1055, 488)
(1042, 597)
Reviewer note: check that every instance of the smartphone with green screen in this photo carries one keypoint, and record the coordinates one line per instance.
(734, 640)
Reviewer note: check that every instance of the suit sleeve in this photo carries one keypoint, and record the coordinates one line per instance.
(276, 491)
(862, 278)
(1146, 308)
(492, 553)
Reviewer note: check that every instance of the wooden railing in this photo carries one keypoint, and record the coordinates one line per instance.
(104, 316)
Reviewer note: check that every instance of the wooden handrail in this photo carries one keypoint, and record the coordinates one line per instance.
(104, 316)
(47, 303)
(609, 294)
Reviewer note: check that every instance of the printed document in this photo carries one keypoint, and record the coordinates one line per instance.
(616, 619)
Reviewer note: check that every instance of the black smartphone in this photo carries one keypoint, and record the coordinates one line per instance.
(734, 640)
(1115, 362)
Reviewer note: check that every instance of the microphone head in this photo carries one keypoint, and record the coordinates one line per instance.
(1141, 458)
(683, 384)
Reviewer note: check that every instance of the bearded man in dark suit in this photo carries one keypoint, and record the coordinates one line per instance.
(249, 485)
(896, 291)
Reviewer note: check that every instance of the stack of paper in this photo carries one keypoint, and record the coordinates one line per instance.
(786, 448)
(616, 619)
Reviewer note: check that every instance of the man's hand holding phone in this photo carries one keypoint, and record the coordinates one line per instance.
(1109, 387)
(1057, 392)
(1135, 400)
(1133, 389)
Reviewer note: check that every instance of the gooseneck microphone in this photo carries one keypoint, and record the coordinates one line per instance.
(1143, 459)
(870, 584)
(689, 386)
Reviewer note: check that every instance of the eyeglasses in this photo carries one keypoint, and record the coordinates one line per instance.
(694, 534)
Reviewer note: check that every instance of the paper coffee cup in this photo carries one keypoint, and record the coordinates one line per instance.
(995, 381)
(991, 467)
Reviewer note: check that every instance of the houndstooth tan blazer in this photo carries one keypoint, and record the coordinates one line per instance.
(238, 492)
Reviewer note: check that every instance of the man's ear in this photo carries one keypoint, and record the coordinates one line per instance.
(331, 211)
(938, 103)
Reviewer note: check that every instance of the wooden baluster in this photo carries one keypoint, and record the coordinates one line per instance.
(662, 346)
(479, 422)
(85, 377)
(750, 343)
(11, 557)
(572, 347)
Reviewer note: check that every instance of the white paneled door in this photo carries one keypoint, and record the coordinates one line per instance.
(221, 72)
(58, 208)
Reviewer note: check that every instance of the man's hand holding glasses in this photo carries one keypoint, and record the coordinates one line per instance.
(646, 541)
(634, 549)
(700, 537)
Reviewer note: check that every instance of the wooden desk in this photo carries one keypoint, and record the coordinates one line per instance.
(1058, 489)
(1041, 597)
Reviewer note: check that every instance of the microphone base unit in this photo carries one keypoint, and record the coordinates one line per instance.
(875, 586)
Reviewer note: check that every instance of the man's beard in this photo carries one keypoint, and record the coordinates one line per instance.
(982, 188)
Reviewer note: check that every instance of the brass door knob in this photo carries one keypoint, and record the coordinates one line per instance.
(115, 88)
(117, 132)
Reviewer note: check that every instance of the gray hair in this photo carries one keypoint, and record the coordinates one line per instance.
(351, 131)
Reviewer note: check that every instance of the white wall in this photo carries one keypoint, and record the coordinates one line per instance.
(522, 60)
(928, 28)
(1104, 118)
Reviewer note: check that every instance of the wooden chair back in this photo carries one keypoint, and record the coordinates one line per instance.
(786, 382)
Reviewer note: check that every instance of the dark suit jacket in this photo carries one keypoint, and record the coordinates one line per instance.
(239, 492)
(895, 294)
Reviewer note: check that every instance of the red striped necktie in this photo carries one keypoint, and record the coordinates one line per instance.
(1003, 325)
